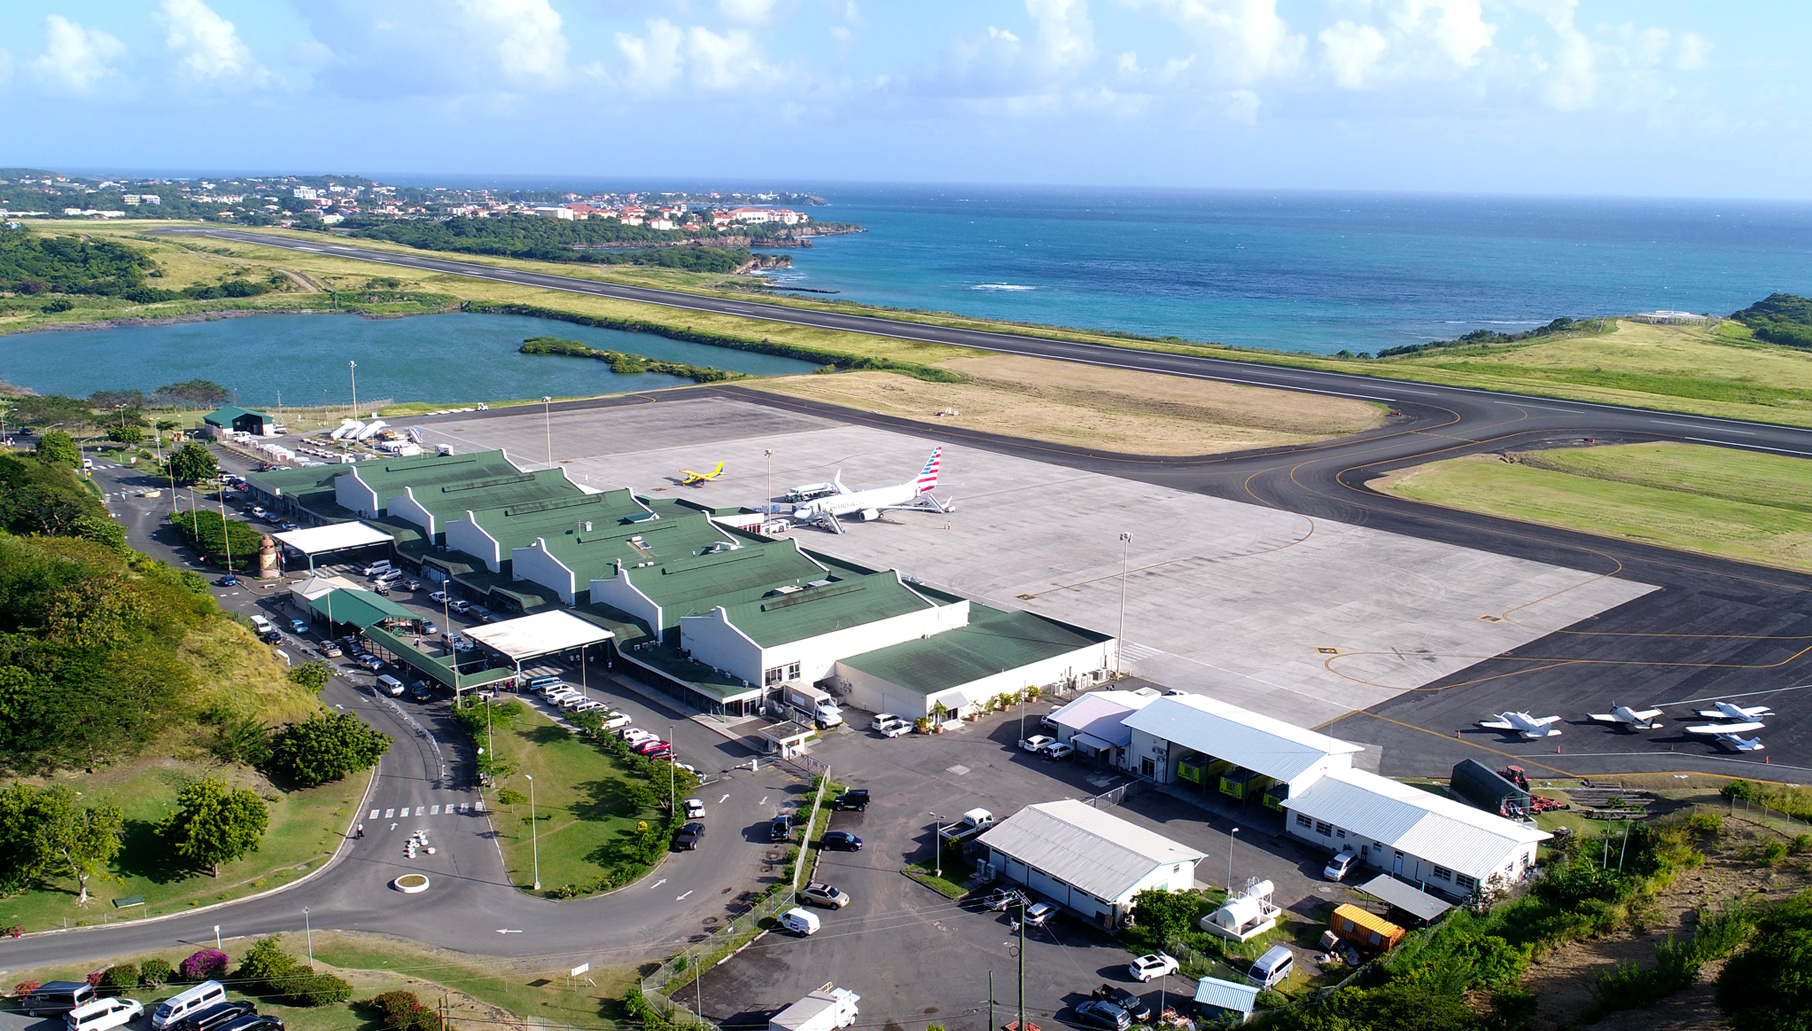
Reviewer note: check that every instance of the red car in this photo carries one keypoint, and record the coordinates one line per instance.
(650, 747)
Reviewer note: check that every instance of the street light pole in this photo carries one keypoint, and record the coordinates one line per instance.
(1120, 648)
(937, 850)
(547, 419)
(310, 930)
(534, 836)
(769, 452)
(226, 539)
(1230, 835)
(352, 369)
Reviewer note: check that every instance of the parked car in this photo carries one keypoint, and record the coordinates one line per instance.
(1058, 751)
(300, 626)
(1037, 743)
(1339, 866)
(460, 605)
(229, 580)
(437, 597)
(650, 746)
(56, 997)
(331, 650)
(104, 1014)
(412, 585)
(883, 720)
(820, 894)
(289, 524)
(212, 1017)
(1049, 721)
(1124, 999)
(253, 1022)
(897, 728)
(694, 808)
(1040, 913)
(687, 838)
(781, 829)
(430, 627)
(1150, 965)
(379, 587)
(1102, 1014)
(840, 841)
(421, 691)
(636, 735)
(616, 720)
(270, 636)
(665, 751)
(372, 663)
(856, 800)
(995, 900)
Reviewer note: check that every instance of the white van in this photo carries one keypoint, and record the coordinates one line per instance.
(260, 622)
(390, 686)
(380, 566)
(801, 922)
(185, 1002)
(1277, 964)
(102, 1014)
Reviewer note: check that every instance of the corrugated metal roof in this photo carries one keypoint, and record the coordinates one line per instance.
(1074, 842)
(1367, 919)
(1226, 995)
(1406, 897)
(1439, 829)
(360, 608)
(224, 416)
(1269, 746)
(815, 611)
(544, 633)
(1102, 714)
(994, 642)
(450, 500)
(319, 540)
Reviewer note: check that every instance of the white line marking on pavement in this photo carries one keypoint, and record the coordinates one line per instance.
(388, 813)
(682, 898)
(657, 884)
(373, 815)
(724, 799)
(434, 810)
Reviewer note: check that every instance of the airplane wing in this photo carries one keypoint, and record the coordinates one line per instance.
(1712, 714)
(1605, 717)
(1742, 744)
(1496, 725)
(1717, 729)
(1647, 714)
(1545, 720)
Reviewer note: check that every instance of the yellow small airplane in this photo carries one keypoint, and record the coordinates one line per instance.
(688, 478)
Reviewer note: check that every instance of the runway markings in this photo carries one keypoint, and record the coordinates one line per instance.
(1327, 651)
(1492, 619)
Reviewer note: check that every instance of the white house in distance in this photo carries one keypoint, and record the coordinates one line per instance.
(1086, 860)
(1432, 840)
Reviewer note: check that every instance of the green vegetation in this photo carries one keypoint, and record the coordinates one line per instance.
(31, 263)
(268, 970)
(553, 239)
(625, 364)
(202, 531)
(600, 809)
(1485, 337)
(1784, 319)
(41, 829)
(1632, 986)
(326, 746)
(1764, 987)
(214, 824)
(192, 463)
(1743, 505)
(311, 676)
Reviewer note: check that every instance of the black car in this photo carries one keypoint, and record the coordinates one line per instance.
(214, 1016)
(687, 838)
(1124, 999)
(856, 800)
(271, 636)
(1105, 1015)
(840, 841)
(252, 1022)
(781, 829)
(421, 691)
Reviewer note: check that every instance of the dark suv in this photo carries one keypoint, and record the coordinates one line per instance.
(214, 1016)
(781, 829)
(57, 997)
(856, 800)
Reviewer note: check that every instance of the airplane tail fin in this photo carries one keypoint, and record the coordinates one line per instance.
(837, 482)
(719, 471)
(927, 481)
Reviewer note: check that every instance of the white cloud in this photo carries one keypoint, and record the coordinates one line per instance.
(530, 46)
(1248, 39)
(1694, 49)
(1570, 81)
(1457, 27)
(654, 60)
(752, 11)
(1352, 52)
(1066, 37)
(724, 62)
(74, 58)
(1003, 35)
(210, 47)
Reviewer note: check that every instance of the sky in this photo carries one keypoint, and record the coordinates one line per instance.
(1555, 97)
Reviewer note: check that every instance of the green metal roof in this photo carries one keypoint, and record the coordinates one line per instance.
(360, 608)
(692, 583)
(224, 416)
(437, 667)
(993, 642)
(388, 476)
(453, 499)
(530, 596)
(812, 611)
(702, 678)
(561, 520)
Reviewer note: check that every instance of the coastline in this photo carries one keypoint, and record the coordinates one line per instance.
(199, 316)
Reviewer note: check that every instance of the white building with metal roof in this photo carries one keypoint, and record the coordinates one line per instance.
(1428, 839)
(1167, 730)
(1095, 723)
(1086, 860)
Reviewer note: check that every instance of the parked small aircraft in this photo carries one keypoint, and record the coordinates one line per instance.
(1634, 719)
(1733, 711)
(1728, 733)
(1523, 723)
(688, 478)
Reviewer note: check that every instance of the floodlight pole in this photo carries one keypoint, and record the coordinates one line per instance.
(1120, 648)
(937, 849)
(352, 369)
(226, 539)
(1230, 835)
(547, 419)
(309, 929)
(769, 452)
(534, 836)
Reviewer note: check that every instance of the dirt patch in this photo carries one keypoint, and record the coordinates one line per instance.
(1562, 979)
(1106, 409)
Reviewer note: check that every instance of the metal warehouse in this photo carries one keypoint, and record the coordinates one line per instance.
(1087, 860)
(1221, 747)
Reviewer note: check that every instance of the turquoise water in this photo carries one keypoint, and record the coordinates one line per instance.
(1312, 272)
(453, 359)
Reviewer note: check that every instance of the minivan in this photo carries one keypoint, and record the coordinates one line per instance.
(102, 1014)
(185, 1002)
(1276, 965)
(380, 566)
(801, 922)
(57, 997)
(544, 683)
(390, 686)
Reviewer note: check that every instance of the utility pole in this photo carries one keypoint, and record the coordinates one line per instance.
(1022, 962)
(547, 419)
(534, 833)
(352, 369)
(226, 539)
(1120, 647)
(1230, 835)
(991, 1024)
(672, 776)
(309, 929)
(770, 453)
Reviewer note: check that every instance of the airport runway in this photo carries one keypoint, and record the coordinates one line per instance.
(1718, 628)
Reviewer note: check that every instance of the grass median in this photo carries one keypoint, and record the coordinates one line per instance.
(1732, 504)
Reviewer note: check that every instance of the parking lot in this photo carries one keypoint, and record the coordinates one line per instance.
(908, 951)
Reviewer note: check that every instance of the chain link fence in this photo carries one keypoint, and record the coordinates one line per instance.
(665, 988)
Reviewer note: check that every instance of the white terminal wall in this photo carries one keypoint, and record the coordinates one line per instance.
(875, 694)
(715, 641)
(538, 565)
(467, 536)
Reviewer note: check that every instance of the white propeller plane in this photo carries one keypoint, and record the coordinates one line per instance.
(1733, 711)
(1730, 734)
(1522, 723)
(1634, 719)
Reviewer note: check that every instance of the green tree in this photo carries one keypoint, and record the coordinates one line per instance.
(1167, 913)
(83, 839)
(192, 463)
(127, 434)
(58, 448)
(327, 747)
(312, 676)
(1765, 987)
(101, 531)
(213, 825)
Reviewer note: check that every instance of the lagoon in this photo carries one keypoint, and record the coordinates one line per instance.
(294, 360)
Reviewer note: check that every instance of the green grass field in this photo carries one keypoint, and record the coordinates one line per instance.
(305, 829)
(1716, 501)
(580, 802)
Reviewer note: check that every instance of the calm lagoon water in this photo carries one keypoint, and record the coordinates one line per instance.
(293, 359)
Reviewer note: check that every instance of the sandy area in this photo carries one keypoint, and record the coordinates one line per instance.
(1105, 409)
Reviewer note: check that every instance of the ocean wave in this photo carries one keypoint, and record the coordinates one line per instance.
(1001, 286)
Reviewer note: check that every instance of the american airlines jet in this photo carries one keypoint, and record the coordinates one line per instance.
(869, 504)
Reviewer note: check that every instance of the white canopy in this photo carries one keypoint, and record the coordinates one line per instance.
(543, 633)
(315, 586)
(319, 540)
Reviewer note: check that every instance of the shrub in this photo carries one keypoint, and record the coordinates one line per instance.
(1772, 853)
(152, 973)
(1800, 845)
(304, 987)
(203, 965)
(26, 987)
(121, 977)
(402, 1011)
(1705, 824)
(510, 796)
(1738, 789)
(264, 963)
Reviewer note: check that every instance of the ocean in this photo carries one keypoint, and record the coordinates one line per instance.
(1295, 271)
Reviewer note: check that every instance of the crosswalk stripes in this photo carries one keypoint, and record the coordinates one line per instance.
(446, 809)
